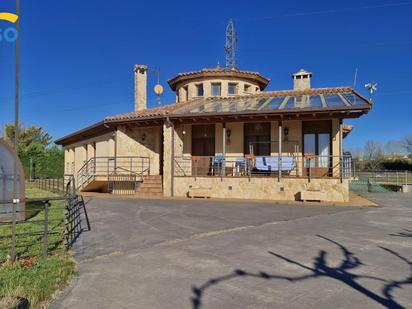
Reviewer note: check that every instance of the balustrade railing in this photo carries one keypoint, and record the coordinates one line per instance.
(286, 165)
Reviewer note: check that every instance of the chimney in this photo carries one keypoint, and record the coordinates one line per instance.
(140, 87)
(301, 80)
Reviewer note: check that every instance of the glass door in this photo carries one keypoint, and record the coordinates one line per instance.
(309, 147)
(324, 150)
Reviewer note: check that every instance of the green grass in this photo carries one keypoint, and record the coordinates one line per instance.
(28, 245)
(37, 282)
(36, 279)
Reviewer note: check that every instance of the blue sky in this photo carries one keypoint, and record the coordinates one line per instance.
(77, 56)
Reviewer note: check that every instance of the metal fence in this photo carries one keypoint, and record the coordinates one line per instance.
(386, 177)
(51, 224)
(56, 185)
(379, 181)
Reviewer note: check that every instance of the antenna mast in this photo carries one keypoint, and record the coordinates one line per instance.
(231, 45)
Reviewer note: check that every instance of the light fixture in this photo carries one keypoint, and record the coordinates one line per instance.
(228, 133)
(143, 136)
(286, 132)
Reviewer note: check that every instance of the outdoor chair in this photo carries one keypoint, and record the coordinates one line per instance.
(217, 165)
(239, 166)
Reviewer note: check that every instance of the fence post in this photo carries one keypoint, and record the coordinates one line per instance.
(46, 230)
(397, 178)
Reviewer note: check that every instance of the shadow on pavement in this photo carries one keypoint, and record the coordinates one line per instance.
(404, 233)
(320, 269)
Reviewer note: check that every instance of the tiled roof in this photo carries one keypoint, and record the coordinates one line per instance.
(271, 102)
(155, 112)
(217, 72)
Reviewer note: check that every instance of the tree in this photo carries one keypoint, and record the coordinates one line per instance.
(34, 147)
(407, 143)
(393, 148)
(373, 154)
(28, 136)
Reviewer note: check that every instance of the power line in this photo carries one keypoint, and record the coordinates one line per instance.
(331, 11)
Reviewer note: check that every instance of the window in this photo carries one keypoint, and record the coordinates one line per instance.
(186, 93)
(246, 88)
(199, 89)
(232, 88)
(216, 89)
(257, 139)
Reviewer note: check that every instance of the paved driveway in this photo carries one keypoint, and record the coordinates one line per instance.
(213, 254)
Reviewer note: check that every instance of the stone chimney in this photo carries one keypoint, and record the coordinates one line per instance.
(301, 80)
(140, 87)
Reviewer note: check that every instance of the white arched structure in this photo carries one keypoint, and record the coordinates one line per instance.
(7, 158)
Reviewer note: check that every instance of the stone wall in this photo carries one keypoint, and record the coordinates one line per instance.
(141, 142)
(267, 188)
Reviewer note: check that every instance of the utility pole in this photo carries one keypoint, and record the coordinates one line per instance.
(16, 134)
(31, 169)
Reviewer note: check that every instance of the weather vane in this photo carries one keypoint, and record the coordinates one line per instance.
(372, 87)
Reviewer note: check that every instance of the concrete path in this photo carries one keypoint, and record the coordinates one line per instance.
(208, 254)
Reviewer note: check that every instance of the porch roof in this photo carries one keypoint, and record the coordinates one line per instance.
(278, 102)
(339, 102)
(320, 100)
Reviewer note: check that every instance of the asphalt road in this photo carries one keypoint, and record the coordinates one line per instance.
(214, 254)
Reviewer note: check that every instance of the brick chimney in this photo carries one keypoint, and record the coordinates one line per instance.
(140, 87)
(301, 80)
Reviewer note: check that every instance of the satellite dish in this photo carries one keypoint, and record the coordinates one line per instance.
(158, 89)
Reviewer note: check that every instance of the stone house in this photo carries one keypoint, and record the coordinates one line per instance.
(224, 137)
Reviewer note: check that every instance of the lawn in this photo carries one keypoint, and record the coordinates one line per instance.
(28, 245)
(33, 277)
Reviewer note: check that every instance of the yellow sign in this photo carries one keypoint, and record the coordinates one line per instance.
(9, 17)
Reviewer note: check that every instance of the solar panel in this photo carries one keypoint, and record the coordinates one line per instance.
(274, 103)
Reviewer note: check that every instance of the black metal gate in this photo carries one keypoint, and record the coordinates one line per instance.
(75, 211)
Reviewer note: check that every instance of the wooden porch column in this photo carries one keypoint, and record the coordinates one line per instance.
(223, 172)
(280, 150)
(340, 149)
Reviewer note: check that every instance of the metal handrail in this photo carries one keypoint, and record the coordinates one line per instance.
(314, 166)
(105, 166)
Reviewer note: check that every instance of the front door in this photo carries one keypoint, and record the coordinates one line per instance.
(203, 147)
